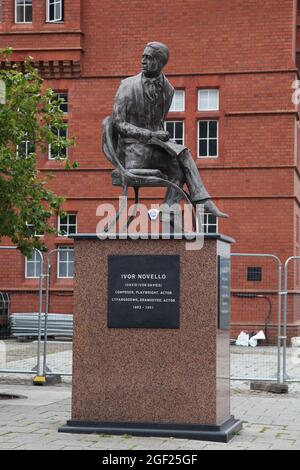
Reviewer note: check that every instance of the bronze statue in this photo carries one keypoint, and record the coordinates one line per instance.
(141, 105)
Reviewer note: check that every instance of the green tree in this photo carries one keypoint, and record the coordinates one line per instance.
(28, 118)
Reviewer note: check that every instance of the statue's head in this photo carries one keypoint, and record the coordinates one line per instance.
(155, 57)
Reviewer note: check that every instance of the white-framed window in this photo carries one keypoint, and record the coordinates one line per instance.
(67, 225)
(25, 148)
(63, 95)
(55, 11)
(208, 100)
(210, 223)
(65, 262)
(23, 11)
(178, 102)
(208, 131)
(33, 232)
(55, 153)
(33, 266)
(176, 131)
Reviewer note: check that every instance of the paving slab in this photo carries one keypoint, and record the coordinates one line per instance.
(270, 422)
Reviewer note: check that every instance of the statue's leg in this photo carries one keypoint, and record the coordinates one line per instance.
(197, 190)
(171, 168)
(137, 156)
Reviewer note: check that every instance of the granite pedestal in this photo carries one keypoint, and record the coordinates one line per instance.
(153, 381)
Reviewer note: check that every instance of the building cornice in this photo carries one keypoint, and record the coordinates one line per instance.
(35, 32)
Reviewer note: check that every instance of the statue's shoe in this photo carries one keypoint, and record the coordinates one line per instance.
(210, 207)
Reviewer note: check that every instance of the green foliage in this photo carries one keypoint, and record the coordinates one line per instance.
(28, 115)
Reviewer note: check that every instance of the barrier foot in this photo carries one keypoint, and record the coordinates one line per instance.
(271, 387)
(46, 380)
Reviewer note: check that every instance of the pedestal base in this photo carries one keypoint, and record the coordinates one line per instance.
(221, 433)
(151, 339)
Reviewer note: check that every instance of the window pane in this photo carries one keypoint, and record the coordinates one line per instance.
(63, 132)
(65, 261)
(55, 152)
(214, 100)
(63, 220)
(26, 148)
(203, 104)
(20, 14)
(170, 129)
(30, 147)
(33, 266)
(254, 273)
(28, 13)
(203, 129)
(63, 254)
(51, 11)
(62, 271)
(211, 229)
(178, 101)
(179, 130)
(203, 148)
(212, 219)
(63, 106)
(72, 219)
(208, 100)
(37, 268)
(57, 11)
(30, 269)
(213, 125)
(71, 270)
(22, 149)
(212, 147)
(63, 229)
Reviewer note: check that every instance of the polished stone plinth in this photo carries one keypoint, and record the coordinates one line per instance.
(159, 382)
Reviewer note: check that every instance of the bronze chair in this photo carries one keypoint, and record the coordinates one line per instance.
(132, 178)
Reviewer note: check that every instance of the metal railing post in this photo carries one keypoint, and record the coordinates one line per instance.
(39, 370)
(285, 293)
(48, 271)
(48, 267)
(279, 324)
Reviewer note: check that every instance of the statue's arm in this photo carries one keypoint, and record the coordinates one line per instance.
(124, 128)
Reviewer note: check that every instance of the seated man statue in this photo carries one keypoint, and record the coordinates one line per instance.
(141, 105)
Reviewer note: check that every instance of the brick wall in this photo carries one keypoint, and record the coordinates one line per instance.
(246, 49)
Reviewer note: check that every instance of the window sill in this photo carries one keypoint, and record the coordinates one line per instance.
(63, 240)
(207, 158)
(54, 22)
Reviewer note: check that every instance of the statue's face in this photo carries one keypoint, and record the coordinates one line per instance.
(151, 66)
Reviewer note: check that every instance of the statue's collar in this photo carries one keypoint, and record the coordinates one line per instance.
(155, 80)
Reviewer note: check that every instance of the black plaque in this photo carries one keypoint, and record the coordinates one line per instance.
(224, 293)
(143, 291)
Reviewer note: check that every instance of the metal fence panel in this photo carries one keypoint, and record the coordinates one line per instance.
(19, 353)
(256, 306)
(57, 354)
(291, 314)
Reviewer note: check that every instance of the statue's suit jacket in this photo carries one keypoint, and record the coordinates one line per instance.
(130, 116)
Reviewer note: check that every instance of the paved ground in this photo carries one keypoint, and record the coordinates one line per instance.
(270, 422)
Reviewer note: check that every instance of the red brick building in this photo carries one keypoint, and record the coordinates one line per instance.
(233, 64)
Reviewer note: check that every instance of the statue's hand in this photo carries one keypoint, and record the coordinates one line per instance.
(161, 135)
